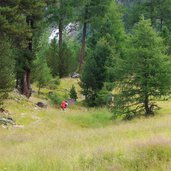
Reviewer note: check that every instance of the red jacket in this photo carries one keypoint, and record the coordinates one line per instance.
(63, 105)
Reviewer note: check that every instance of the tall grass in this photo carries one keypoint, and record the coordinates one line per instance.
(80, 139)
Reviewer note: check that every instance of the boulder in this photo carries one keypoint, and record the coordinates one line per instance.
(75, 75)
(5, 121)
(41, 105)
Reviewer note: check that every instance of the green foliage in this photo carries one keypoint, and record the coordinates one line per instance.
(167, 38)
(44, 76)
(64, 61)
(104, 97)
(7, 64)
(53, 83)
(42, 73)
(104, 50)
(73, 93)
(90, 10)
(59, 10)
(73, 46)
(93, 75)
(52, 58)
(157, 11)
(148, 72)
(33, 13)
(60, 13)
(12, 22)
(55, 99)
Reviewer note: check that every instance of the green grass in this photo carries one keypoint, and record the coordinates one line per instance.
(91, 118)
(81, 139)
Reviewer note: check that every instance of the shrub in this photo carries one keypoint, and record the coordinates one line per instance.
(54, 83)
(73, 93)
(55, 99)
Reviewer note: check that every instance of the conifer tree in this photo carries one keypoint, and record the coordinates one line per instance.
(11, 20)
(41, 72)
(52, 58)
(11, 26)
(104, 45)
(148, 72)
(156, 10)
(73, 93)
(88, 12)
(33, 12)
(59, 13)
(6, 68)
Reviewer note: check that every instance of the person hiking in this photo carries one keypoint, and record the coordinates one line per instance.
(64, 105)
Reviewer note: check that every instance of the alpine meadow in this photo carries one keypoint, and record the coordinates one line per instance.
(85, 85)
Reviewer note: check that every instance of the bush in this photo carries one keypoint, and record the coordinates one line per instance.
(54, 83)
(100, 98)
(104, 97)
(55, 99)
(73, 93)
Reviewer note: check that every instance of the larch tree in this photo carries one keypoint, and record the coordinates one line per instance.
(148, 72)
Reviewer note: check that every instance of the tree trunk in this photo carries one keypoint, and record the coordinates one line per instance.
(25, 84)
(161, 24)
(60, 33)
(60, 42)
(148, 110)
(25, 80)
(60, 65)
(152, 14)
(82, 51)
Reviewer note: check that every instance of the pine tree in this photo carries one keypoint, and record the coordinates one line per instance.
(104, 45)
(88, 12)
(11, 26)
(148, 72)
(73, 93)
(42, 74)
(156, 10)
(60, 13)
(6, 68)
(33, 12)
(11, 20)
(52, 58)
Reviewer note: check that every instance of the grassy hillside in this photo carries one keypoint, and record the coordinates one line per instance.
(83, 139)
